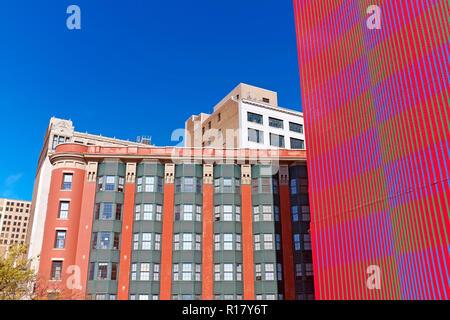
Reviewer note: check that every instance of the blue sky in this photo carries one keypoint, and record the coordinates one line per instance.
(135, 68)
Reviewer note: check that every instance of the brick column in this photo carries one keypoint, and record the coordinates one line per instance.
(208, 233)
(286, 234)
(127, 232)
(247, 233)
(166, 247)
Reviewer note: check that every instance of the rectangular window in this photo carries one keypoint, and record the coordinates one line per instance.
(187, 241)
(102, 272)
(217, 213)
(91, 270)
(157, 241)
(188, 184)
(55, 142)
(158, 212)
(216, 185)
(298, 271)
(139, 184)
(276, 140)
(198, 241)
(137, 212)
(294, 186)
(133, 271)
(56, 270)
(148, 212)
(256, 242)
(228, 272)
(238, 272)
(63, 210)
(198, 272)
(258, 271)
(294, 211)
(227, 213)
(269, 272)
(228, 241)
(297, 241)
(121, 184)
(156, 273)
(256, 213)
(105, 240)
(146, 241)
(60, 240)
(254, 117)
(227, 185)
(217, 242)
(94, 240)
(255, 136)
(187, 212)
(136, 241)
(144, 274)
(160, 184)
(149, 184)
(277, 241)
(276, 123)
(266, 185)
(217, 272)
(110, 183)
(307, 242)
(118, 211)
(198, 213)
(297, 144)
(116, 241)
(255, 185)
(238, 242)
(67, 181)
(100, 184)
(187, 272)
(176, 242)
(107, 211)
(267, 213)
(178, 185)
(295, 127)
(198, 185)
(279, 272)
(268, 241)
(113, 271)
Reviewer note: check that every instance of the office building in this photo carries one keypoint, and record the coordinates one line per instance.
(248, 117)
(177, 223)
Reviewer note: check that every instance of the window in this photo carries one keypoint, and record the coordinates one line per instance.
(116, 243)
(257, 242)
(228, 272)
(294, 211)
(267, 213)
(238, 272)
(269, 272)
(67, 181)
(309, 269)
(187, 272)
(227, 213)
(198, 213)
(297, 144)
(255, 136)
(297, 241)
(298, 271)
(148, 212)
(294, 186)
(110, 183)
(238, 242)
(187, 241)
(157, 241)
(56, 270)
(112, 297)
(266, 100)
(63, 210)
(275, 185)
(253, 117)
(149, 184)
(218, 117)
(276, 211)
(228, 241)
(113, 271)
(295, 127)
(91, 270)
(102, 273)
(279, 272)
(217, 272)
(198, 185)
(121, 184)
(276, 140)
(198, 272)
(145, 272)
(307, 242)
(146, 241)
(118, 211)
(158, 212)
(177, 212)
(143, 297)
(100, 184)
(187, 212)
(137, 212)
(276, 123)
(60, 240)
(156, 273)
(258, 271)
(268, 241)
(107, 211)
(227, 185)
(133, 271)
(188, 184)
(99, 296)
(105, 240)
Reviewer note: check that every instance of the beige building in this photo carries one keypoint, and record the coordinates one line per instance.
(14, 223)
(59, 131)
(248, 117)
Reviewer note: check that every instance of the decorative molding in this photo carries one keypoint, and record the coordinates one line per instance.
(284, 175)
(91, 171)
(246, 174)
(208, 172)
(131, 172)
(66, 164)
(169, 173)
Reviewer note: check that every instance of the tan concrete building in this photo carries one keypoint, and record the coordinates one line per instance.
(59, 131)
(248, 117)
(14, 223)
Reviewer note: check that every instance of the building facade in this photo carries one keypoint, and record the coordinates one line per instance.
(248, 117)
(177, 223)
(376, 108)
(14, 223)
(58, 131)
